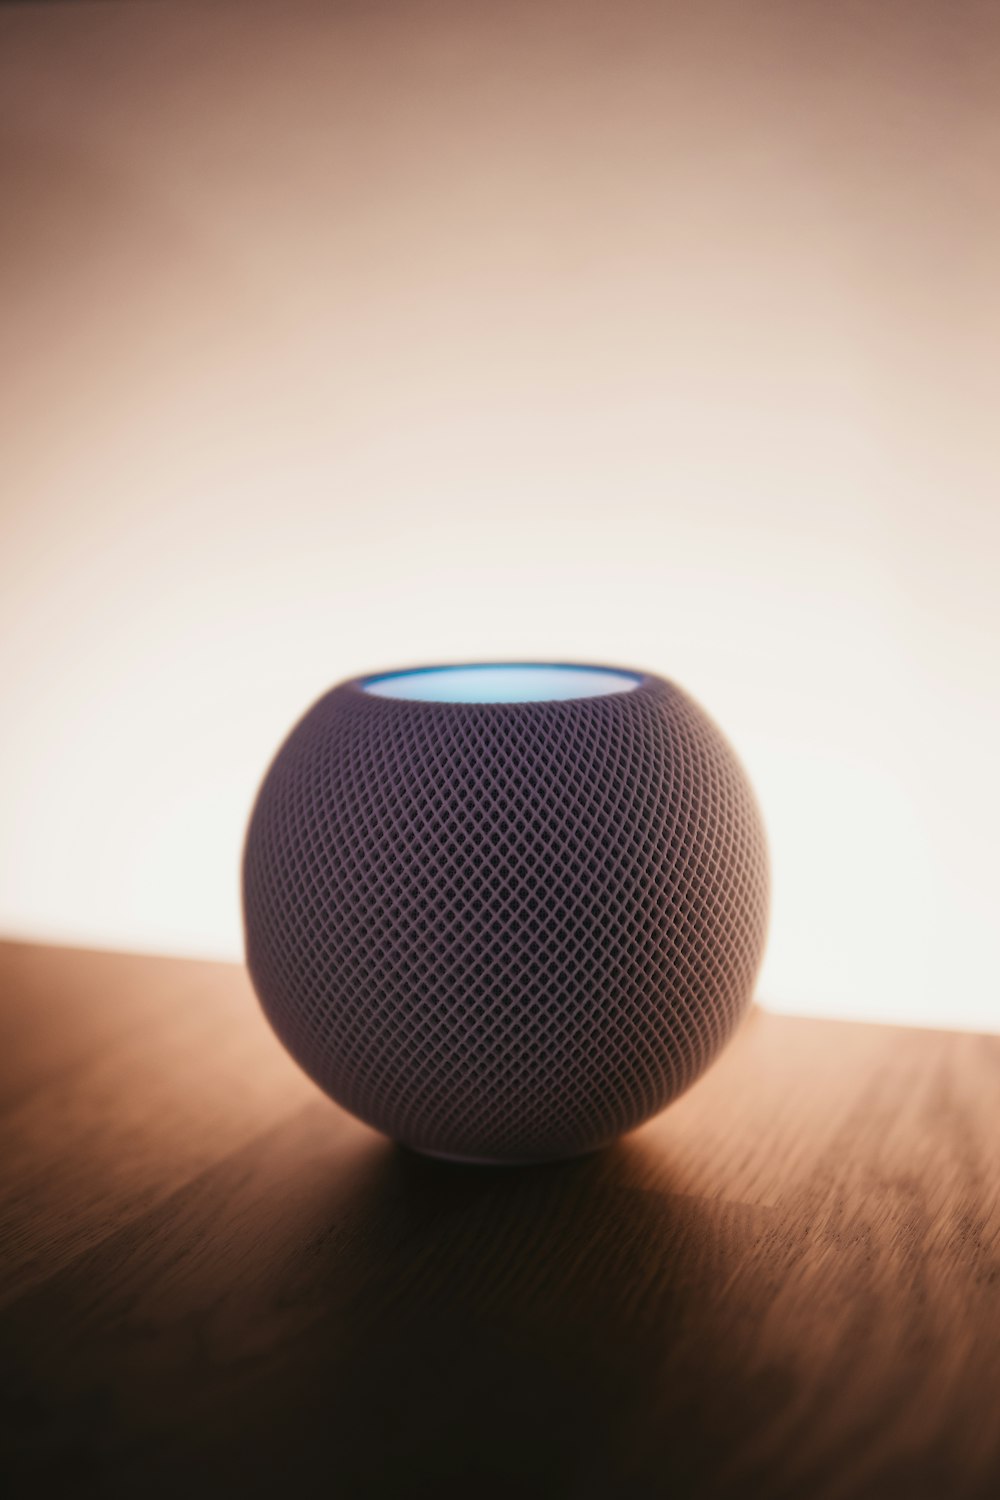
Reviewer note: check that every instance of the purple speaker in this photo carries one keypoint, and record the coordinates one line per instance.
(505, 912)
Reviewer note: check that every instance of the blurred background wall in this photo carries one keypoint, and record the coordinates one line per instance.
(342, 336)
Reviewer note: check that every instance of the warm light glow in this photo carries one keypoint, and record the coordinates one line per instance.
(452, 332)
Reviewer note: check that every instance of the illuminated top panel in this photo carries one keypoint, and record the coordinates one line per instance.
(501, 682)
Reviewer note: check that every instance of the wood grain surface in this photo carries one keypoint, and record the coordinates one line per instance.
(216, 1282)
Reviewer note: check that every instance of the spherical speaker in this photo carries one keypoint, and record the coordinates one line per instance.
(505, 912)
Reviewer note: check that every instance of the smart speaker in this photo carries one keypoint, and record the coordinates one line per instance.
(504, 912)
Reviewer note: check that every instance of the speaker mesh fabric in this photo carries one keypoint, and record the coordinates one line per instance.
(505, 931)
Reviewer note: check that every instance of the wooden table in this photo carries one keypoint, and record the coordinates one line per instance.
(216, 1282)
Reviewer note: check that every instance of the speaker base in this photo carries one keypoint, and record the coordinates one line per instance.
(498, 1161)
(468, 1161)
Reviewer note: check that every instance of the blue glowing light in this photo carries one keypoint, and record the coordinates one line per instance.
(501, 682)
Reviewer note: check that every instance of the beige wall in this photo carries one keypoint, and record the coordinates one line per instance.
(346, 336)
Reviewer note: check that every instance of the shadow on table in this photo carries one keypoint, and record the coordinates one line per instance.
(363, 1322)
(550, 1330)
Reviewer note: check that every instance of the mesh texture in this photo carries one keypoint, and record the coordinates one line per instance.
(505, 931)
